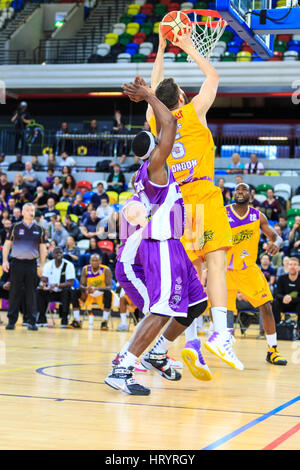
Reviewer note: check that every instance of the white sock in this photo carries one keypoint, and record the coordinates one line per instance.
(105, 315)
(125, 348)
(191, 332)
(76, 315)
(162, 345)
(123, 318)
(200, 322)
(272, 340)
(219, 315)
(127, 360)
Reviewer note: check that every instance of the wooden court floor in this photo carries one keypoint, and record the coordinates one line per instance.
(53, 396)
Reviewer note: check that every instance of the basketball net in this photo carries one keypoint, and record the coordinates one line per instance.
(206, 34)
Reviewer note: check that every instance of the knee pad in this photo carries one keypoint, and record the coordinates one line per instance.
(193, 312)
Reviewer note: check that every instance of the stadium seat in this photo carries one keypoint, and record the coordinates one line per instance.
(139, 38)
(132, 48)
(111, 39)
(113, 197)
(220, 47)
(119, 28)
(260, 198)
(62, 207)
(295, 202)
(138, 58)
(126, 19)
(83, 245)
(147, 8)
(140, 2)
(133, 9)
(284, 190)
(146, 28)
(186, 6)
(103, 49)
(132, 28)
(181, 57)
(123, 197)
(84, 186)
(173, 6)
(293, 212)
(124, 57)
(106, 246)
(74, 218)
(86, 197)
(290, 56)
(272, 173)
(151, 57)
(169, 57)
(263, 188)
(243, 56)
(289, 173)
(140, 18)
(228, 57)
(125, 38)
(146, 48)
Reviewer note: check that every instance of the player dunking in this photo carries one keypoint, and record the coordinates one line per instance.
(192, 162)
(243, 274)
(153, 267)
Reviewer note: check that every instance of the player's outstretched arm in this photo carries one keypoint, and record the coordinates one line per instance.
(207, 94)
(275, 241)
(158, 70)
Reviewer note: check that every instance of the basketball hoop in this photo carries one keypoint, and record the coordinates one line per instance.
(208, 26)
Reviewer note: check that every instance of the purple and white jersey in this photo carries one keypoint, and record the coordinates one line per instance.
(164, 206)
(133, 220)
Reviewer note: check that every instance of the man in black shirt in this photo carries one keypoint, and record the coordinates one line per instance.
(18, 165)
(20, 120)
(100, 194)
(287, 295)
(27, 242)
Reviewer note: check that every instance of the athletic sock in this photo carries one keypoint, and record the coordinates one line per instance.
(200, 323)
(105, 315)
(272, 340)
(219, 315)
(123, 318)
(162, 345)
(76, 315)
(125, 348)
(191, 331)
(127, 360)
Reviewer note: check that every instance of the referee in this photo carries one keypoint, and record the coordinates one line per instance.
(26, 240)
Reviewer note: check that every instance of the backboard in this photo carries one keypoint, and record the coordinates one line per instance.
(257, 22)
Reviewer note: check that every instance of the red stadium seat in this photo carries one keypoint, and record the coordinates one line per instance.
(139, 38)
(147, 8)
(106, 246)
(151, 57)
(84, 186)
(176, 50)
(277, 56)
(173, 6)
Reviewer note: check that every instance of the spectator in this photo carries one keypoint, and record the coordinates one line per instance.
(135, 165)
(116, 180)
(226, 194)
(40, 200)
(18, 165)
(3, 163)
(24, 197)
(122, 162)
(49, 178)
(11, 205)
(285, 230)
(91, 227)
(20, 119)
(294, 238)
(119, 128)
(7, 223)
(60, 234)
(51, 246)
(5, 185)
(67, 161)
(35, 163)
(18, 184)
(69, 189)
(284, 269)
(99, 195)
(39, 219)
(271, 206)
(239, 179)
(77, 207)
(71, 251)
(254, 166)
(87, 212)
(65, 171)
(5, 215)
(93, 249)
(252, 201)
(50, 209)
(287, 294)
(93, 144)
(51, 161)
(55, 285)
(71, 227)
(56, 187)
(61, 144)
(29, 178)
(284, 226)
(104, 212)
(17, 215)
(268, 271)
(236, 167)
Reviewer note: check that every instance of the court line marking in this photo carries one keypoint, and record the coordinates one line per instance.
(244, 428)
(282, 438)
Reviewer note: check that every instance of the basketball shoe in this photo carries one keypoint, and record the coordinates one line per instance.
(160, 363)
(191, 354)
(275, 358)
(173, 363)
(121, 378)
(220, 344)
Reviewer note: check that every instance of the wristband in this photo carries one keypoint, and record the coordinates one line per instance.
(278, 242)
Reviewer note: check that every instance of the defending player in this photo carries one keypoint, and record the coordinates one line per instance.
(208, 234)
(153, 266)
(243, 274)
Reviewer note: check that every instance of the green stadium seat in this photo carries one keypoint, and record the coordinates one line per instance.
(181, 57)
(126, 19)
(263, 188)
(228, 57)
(138, 58)
(125, 38)
(146, 28)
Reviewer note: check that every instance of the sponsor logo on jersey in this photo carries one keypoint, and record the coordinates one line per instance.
(242, 236)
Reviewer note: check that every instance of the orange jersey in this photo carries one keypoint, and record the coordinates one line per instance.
(193, 154)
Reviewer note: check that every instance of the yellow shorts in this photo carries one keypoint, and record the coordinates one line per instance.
(90, 300)
(251, 283)
(207, 226)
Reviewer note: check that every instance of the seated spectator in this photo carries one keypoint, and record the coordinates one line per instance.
(135, 165)
(71, 227)
(287, 293)
(60, 234)
(30, 180)
(63, 145)
(91, 226)
(3, 204)
(239, 179)
(11, 204)
(252, 201)
(35, 163)
(285, 229)
(69, 189)
(71, 251)
(87, 212)
(65, 171)
(51, 161)
(104, 211)
(56, 285)
(225, 191)
(49, 178)
(7, 223)
(5, 185)
(24, 197)
(56, 187)
(3, 163)
(121, 162)
(17, 185)
(68, 161)
(39, 219)
(254, 167)
(17, 215)
(99, 195)
(116, 180)
(77, 207)
(236, 167)
(93, 248)
(50, 209)
(18, 165)
(271, 206)
(268, 271)
(51, 246)
(294, 238)
(284, 269)
(41, 198)
(95, 286)
(93, 145)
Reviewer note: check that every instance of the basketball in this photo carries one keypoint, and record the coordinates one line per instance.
(173, 24)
